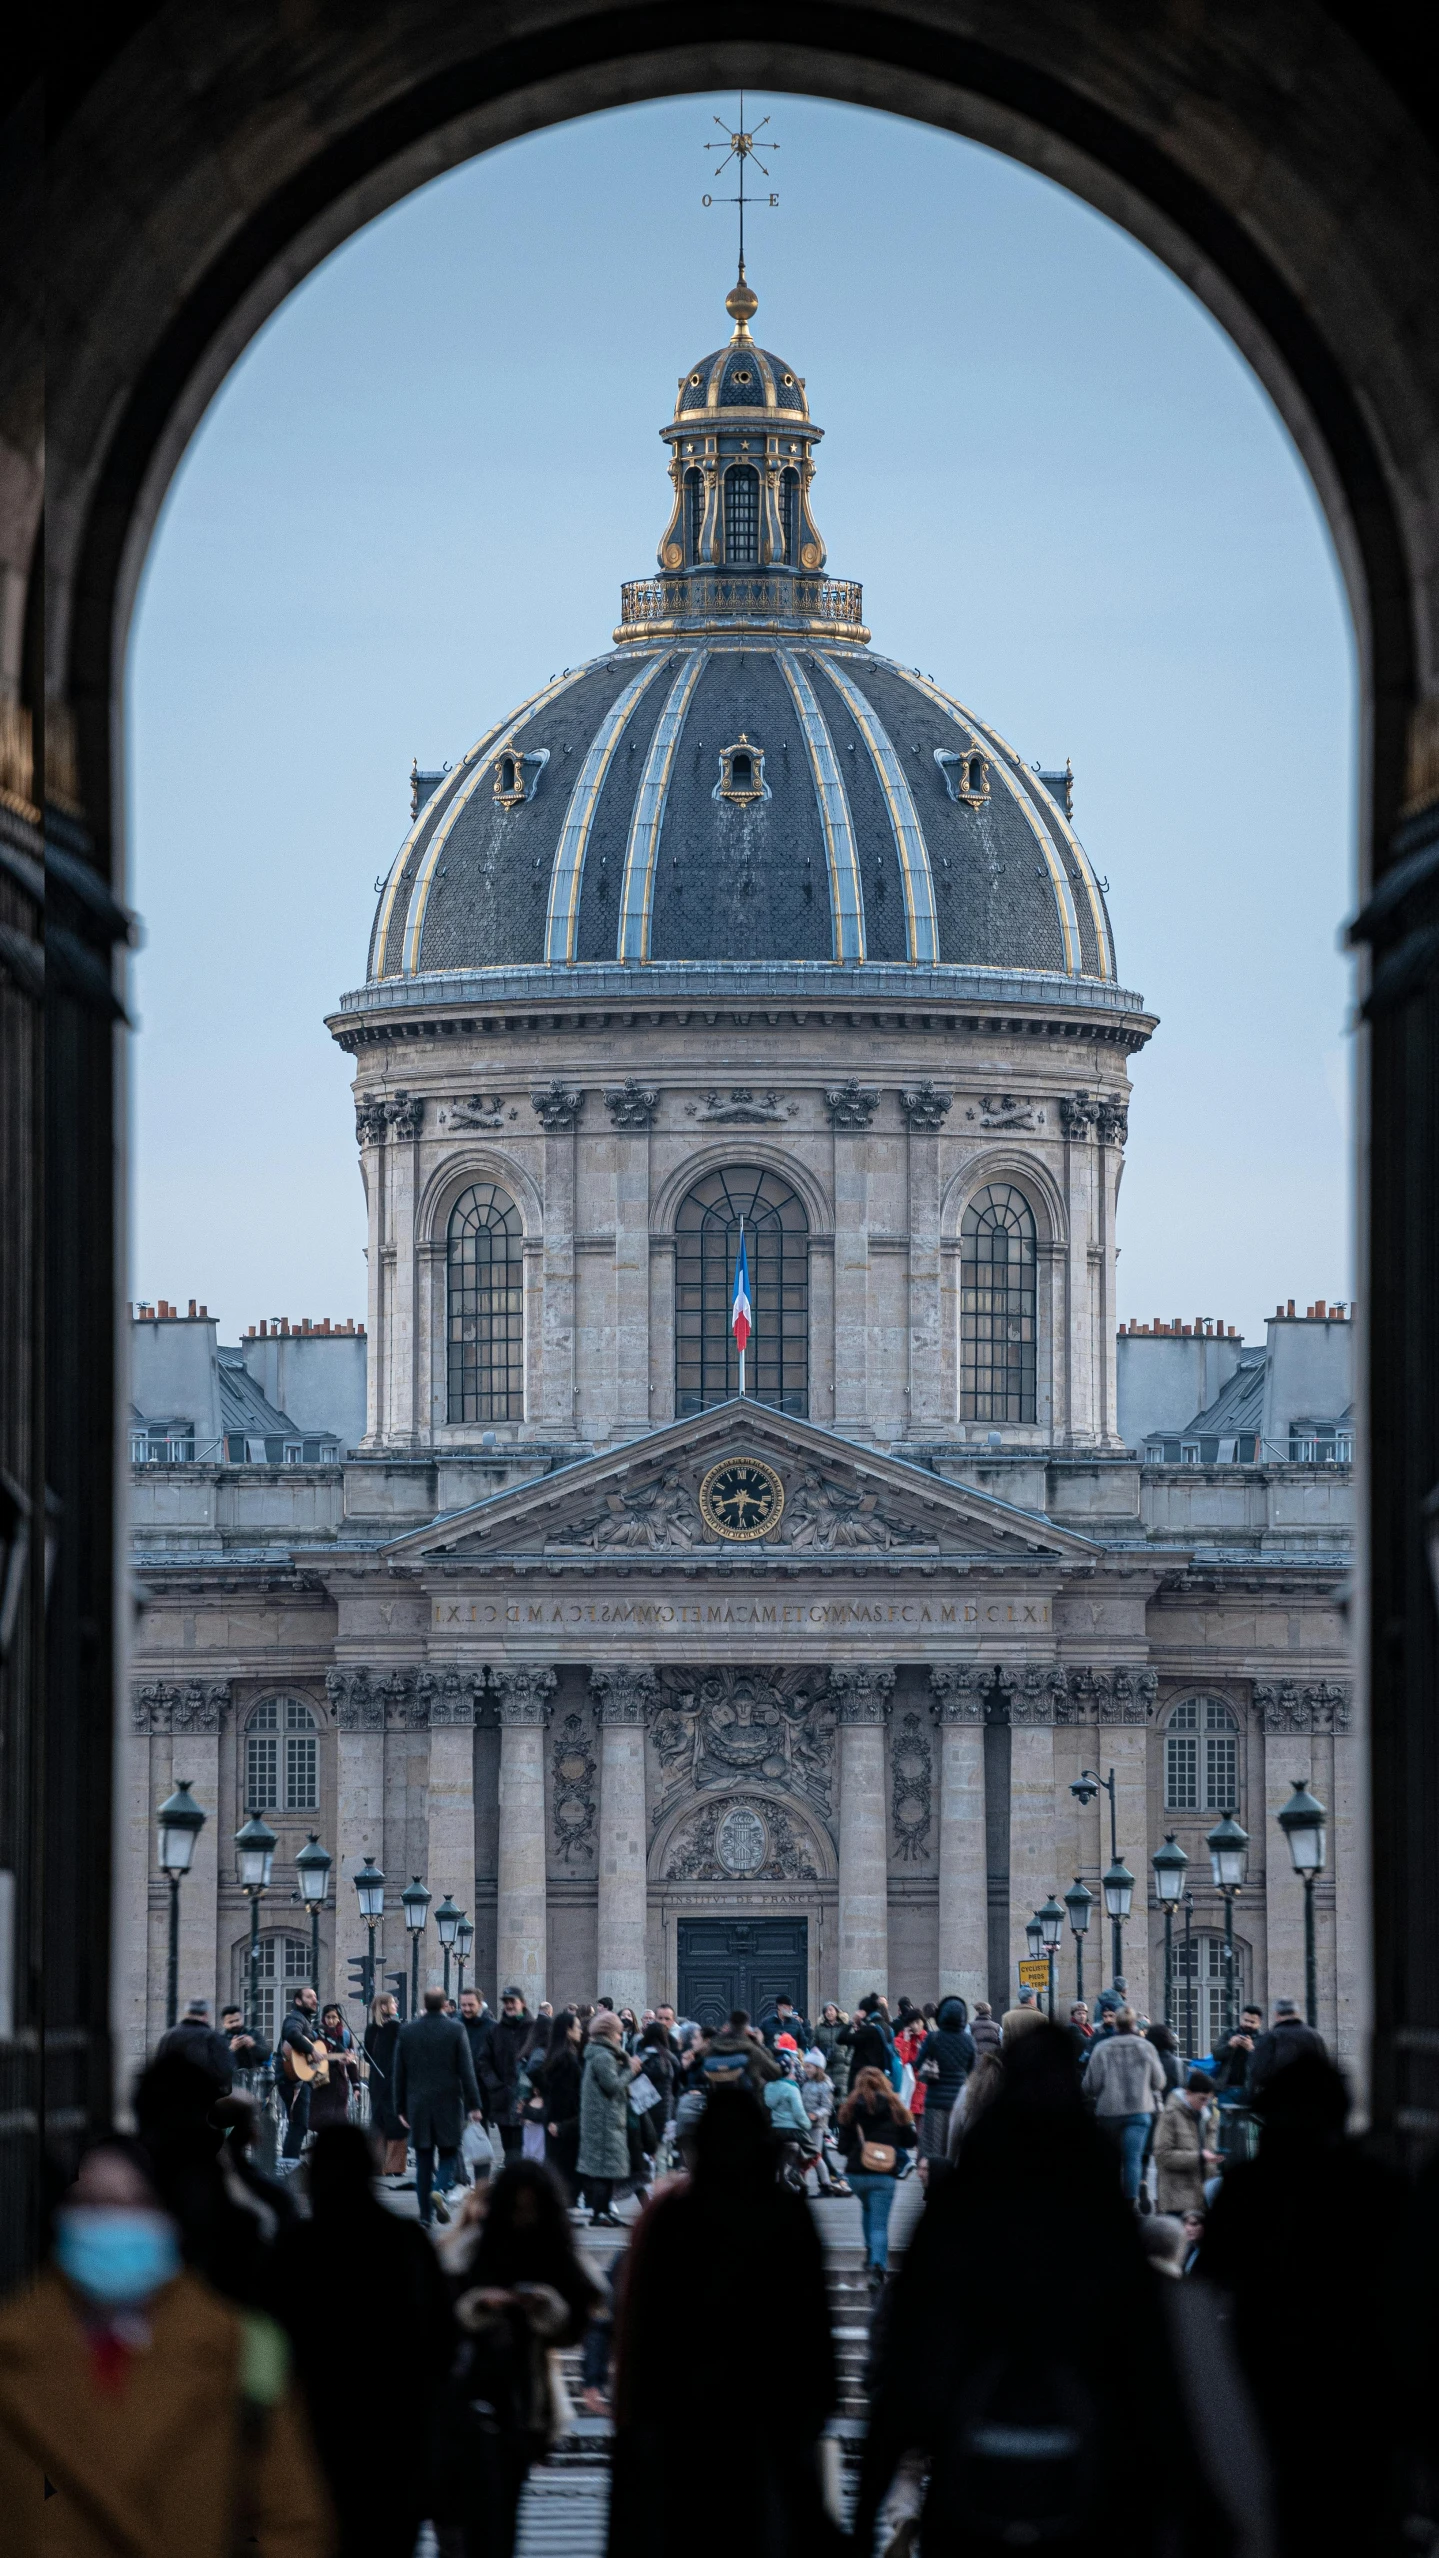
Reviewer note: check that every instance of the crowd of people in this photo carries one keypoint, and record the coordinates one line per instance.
(1111, 2254)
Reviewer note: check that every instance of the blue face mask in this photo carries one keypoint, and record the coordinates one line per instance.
(117, 2258)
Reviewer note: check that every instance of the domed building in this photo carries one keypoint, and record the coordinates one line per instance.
(703, 1687)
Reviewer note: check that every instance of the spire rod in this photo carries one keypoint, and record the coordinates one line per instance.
(742, 302)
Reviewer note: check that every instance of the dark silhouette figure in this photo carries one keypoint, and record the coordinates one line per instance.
(1024, 2342)
(1312, 2230)
(368, 2315)
(752, 2371)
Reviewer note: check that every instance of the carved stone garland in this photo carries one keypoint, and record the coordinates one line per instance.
(911, 1763)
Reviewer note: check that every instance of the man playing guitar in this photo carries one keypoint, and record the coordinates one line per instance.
(299, 2046)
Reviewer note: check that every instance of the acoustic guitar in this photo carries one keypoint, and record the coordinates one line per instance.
(312, 2068)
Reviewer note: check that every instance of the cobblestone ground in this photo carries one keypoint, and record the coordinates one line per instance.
(566, 2501)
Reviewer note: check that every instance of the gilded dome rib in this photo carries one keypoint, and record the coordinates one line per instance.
(921, 922)
(568, 874)
(846, 894)
(637, 893)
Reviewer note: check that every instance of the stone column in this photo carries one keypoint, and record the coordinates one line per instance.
(136, 2010)
(1125, 1748)
(521, 1935)
(861, 1699)
(405, 1112)
(450, 1797)
(963, 1884)
(199, 1718)
(631, 1110)
(1033, 1839)
(359, 1712)
(558, 1107)
(851, 1115)
(925, 1108)
(623, 1701)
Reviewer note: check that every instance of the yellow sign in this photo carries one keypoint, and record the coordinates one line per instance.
(1034, 1976)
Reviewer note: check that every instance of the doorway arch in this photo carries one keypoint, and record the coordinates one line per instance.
(195, 181)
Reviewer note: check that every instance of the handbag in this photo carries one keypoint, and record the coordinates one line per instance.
(876, 2158)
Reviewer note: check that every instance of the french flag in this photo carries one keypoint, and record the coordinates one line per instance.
(741, 1311)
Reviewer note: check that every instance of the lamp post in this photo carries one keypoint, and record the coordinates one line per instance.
(1118, 1884)
(255, 1847)
(1190, 2000)
(447, 1920)
(1228, 1846)
(464, 1939)
(370, 1886)
(181, 1821)
(312, 1865)
(1170, 1867)
(1079, 1903)
(415, 1901)
(1302, 1821)
(1051, 1929)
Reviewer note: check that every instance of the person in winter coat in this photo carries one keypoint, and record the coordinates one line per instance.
(139, 2412)
(942, 2064)
(875, 2131)
(331, 2103)
(556, 2080)
(873, 2045)
(737, 2051)
(382, 2042)
(834, 2036)
(509, 2041)
(198, 2040)
(1182, 2159)
(818, 2100)
(604, 2150)
(1125, 2084)
(1287, 2037)
(984, 2033)
(434, 2088)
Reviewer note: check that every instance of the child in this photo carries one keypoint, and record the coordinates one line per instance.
(817, 2098)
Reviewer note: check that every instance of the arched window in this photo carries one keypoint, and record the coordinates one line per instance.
(282, 1758)
(741, 516)
(777, 1248)
(1199, 1991)
(486, 1309)
(1201, 1757)
(694, 515)
(284, 1965)
(997, 1307)
(789, 510)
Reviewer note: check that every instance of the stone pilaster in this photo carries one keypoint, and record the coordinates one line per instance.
(450, 1797)
(359, 1712)
(521, 1932)
(861, 1700)
(963, 1888)
(624, 1699)
(1033, 1846)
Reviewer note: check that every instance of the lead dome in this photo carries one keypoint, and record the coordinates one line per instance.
(742, 777)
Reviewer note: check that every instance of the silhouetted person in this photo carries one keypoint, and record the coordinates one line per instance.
(368, 2314)
(748, 2383)
(435, 2086)
(183, 2120)
(1025, 2346)
(1313, 2230)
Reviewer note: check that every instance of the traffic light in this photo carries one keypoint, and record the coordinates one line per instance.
(400, 1984)
(361, 1983)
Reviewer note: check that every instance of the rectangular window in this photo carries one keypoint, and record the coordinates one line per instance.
(1181, 1772)
(1221, 1771)
(262, 1772)
(301, 1773)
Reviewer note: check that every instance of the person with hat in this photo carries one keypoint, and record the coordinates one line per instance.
(196, 2039)
(508, 2045)
(786, 2020)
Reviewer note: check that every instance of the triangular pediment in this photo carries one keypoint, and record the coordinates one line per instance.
(743, 1481)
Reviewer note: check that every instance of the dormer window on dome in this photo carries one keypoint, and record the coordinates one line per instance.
(966, 776)
(517, 777)
(742, 773)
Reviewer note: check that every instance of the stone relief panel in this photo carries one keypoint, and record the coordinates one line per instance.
(1281, 1706)
(731, 1724)
(1045, 1692)
(911, 1768)
(821, 1515)
(742, 1107)
(744, 1840)
(574, 1791)
(200, 1706)
(402, 1697)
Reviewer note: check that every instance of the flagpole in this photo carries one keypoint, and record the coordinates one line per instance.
(741, 1347)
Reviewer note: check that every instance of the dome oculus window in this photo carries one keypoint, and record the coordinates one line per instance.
(485, 1315)
(741, 774)
(997, 1307)
(966, 776)
(517, 777)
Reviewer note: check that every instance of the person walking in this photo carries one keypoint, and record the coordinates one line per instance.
(603, 2159)
(873, 2044)
(1124, 2082)
(434, 2089)
(382, 2042)
(1287, 2037)
(1183, 2160)
(353, 2249)
(299, 2037)
(834, 2036)
(330, 2099)
(557, 2078)
(142, 2416)
(1021, 2019)
(875, 2131)
(197, 2040)
(817, 2097)
(984, 2033)
(509, 2041)
(942, 2064)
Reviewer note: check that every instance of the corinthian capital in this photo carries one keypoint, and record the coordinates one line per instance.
(523, 1694)
(624, 1695)
(958, 1692)
(861, 1696)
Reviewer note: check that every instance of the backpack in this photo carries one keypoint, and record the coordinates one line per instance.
(1018, 2466)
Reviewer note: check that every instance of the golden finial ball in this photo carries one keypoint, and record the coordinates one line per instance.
(741, 302)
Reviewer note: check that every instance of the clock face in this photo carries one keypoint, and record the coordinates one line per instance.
(741, 1499)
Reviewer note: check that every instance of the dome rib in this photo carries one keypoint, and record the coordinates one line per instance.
(567, 877)
(978, 735)
(911, 851)
(642, 848)
(846, 893)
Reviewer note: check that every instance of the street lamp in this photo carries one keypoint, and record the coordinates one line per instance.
(312, 1865)
(370, 1886)
(255, 1847)
(1302, 1821)
(415, 1902)
(1170, 1867)
(1228, 1846)
(1051, 1929)
(1118, 1884)
(464, 1939)
(1079, 1903)
(181, 1821)
(1191, 1999)
(447, 1920)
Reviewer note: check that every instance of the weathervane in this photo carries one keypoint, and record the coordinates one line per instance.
(739, 146)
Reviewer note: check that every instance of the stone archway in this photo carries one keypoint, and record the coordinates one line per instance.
(198, 172)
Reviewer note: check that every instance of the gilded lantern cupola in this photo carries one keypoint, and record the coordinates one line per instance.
(741, 546)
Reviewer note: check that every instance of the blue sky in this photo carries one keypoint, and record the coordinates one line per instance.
(419, 491)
